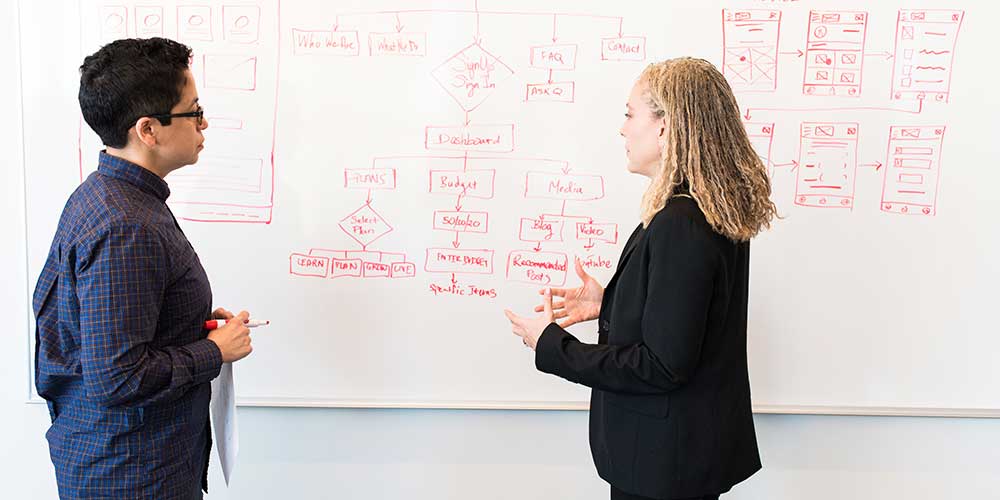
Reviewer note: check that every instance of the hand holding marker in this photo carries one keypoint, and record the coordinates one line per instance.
(219, 323)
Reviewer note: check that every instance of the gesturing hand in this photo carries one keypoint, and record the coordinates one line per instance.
(529, 329)
(578, 304)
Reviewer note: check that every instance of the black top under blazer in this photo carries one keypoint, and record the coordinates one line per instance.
(670, 413)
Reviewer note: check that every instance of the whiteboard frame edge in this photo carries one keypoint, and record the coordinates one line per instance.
(808, 410)
(762, 409)
(29, 314)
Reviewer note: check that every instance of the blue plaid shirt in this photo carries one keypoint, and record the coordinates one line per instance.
(121, 355)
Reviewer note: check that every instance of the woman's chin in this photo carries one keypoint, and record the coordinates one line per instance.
(637, 169)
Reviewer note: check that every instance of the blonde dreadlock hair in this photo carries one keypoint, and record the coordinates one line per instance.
(707, 155)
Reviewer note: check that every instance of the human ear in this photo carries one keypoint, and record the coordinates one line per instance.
(661, 139)
(145, 131)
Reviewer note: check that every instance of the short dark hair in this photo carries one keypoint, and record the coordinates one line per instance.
(128, 79)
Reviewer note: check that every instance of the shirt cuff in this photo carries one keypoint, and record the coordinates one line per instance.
(207, 360)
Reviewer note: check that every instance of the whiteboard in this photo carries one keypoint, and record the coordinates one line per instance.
(382, 178)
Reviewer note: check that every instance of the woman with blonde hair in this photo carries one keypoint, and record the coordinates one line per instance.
(670, 409)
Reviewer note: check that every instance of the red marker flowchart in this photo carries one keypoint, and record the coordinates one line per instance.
(463, 161)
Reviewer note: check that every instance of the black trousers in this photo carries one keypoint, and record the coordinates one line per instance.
(617, 494)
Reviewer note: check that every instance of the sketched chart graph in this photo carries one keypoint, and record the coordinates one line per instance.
(925, 53)
(235, 62)
(761, 137)
(229, 72)
(750, 57)
(827, 165)
(835, 53)
(914, 166)
(834, 62)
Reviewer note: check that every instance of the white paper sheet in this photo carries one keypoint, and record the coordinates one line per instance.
(223, 409)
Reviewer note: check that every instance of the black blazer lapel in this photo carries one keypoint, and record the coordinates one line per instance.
(626, 253)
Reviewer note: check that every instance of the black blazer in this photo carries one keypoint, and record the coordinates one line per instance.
(670, 412)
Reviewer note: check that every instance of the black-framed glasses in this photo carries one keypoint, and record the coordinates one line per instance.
(165, 118)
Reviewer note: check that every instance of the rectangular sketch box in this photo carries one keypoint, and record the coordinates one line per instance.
(623, 48)
(454, 260)
(220, 174)
(346, 268)
(550, 92)
(761, 138)
(926, 41)
(827, 165)
(194, 23)
(462, 222)
(333, 43)
(556, 57)
(490, 138)
(750, 48)
(376, 269)
(241, 23)
(230, 72)
(542, 268)
(910, 184)
(370, 178)
(225, 122)
(148, 21)
(540, 230)
(114, 22)
(569, 187)
(466, 183)
(397, 44)
(402, 270)
(835, 47)
(607, 232)
(308, 265)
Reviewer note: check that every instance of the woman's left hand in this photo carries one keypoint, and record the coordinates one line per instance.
(529, 329)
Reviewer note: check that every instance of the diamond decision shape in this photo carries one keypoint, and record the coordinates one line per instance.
(365, 225)
(471, 75)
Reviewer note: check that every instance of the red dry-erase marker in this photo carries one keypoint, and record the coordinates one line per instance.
(219, 323)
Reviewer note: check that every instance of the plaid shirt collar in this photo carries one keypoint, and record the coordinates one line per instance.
(124, 170)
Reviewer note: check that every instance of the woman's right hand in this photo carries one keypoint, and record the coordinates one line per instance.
(578, 304)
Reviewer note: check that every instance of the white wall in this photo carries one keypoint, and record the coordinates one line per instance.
(472, 455)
